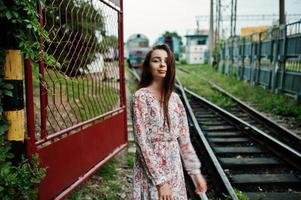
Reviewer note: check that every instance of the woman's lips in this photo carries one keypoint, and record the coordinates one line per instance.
(162, 71)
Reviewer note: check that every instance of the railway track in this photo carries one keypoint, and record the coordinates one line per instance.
(257, 119)
(252, 161)
(212, 190)
(219, 186)
(235, 154)
(260, 121)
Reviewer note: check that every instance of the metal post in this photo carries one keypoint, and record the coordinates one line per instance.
(30, 144)
(211, 32)
(281, 12)
(14, 105)
(243, 59)
(219, 20)
(234, 17)
(283, 57)
(275, 64)
(231, 20)
(121, 66)
(257, 67)
(43, 90)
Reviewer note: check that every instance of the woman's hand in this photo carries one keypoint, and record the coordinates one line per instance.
(200, 183)
(164, 192)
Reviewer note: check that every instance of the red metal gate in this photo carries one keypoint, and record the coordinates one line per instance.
(76, 106)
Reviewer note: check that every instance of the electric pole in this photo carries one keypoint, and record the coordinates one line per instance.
(281, 12)
(233, 17)
(211, 33)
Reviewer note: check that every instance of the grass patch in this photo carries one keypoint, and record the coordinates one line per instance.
(96, 192)
(132, 85)
(106, 187)
(130, 160)
(197, 81)
(241, 195)
(108, 171)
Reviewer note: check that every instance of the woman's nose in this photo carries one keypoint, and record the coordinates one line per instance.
(163, 64)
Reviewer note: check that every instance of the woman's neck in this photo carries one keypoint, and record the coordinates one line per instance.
(156, 85)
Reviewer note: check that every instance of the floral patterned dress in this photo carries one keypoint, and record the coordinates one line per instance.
(159, 151)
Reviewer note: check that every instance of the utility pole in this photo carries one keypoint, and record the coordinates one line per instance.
(233, 17)
(211, 33)
(281, 12)
(231, 20)
(217, 22)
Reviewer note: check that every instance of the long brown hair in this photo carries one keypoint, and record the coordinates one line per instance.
(168, 82)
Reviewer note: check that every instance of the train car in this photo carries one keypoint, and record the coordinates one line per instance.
(136, 48)
(173, 43)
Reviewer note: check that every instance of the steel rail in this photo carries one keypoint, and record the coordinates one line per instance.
(285, 134)
(219, 170)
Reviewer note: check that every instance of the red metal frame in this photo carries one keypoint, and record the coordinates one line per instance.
(43, 91)
(30, 139)
(121, 62)
(71, 158)
(73, 154)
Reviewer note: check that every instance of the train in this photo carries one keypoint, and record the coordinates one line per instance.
(136, 48)
(173, 42)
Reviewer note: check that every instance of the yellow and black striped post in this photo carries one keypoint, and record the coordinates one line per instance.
(14, 105)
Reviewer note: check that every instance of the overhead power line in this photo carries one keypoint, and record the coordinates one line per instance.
(265, 17)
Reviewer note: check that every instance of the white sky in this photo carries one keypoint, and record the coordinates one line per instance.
(154, 17)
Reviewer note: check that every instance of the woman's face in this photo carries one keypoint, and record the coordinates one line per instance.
(158, 63)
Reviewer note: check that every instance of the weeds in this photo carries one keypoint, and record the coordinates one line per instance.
(107, 186)
(131, 160)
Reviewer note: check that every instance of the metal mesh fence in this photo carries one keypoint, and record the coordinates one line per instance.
(293, 62)
(271, 58)
(81, 82)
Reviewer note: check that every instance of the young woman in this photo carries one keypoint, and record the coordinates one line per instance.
(161, 133)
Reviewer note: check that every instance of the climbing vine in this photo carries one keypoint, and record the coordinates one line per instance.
(20, 20)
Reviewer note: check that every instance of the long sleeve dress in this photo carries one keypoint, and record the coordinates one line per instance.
(159, 151)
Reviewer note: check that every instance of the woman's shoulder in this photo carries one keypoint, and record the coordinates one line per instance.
(177, 99)
(175, 95)
(140, 93)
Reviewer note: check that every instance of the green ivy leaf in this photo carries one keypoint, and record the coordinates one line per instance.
(3, 128)
(8, 14)
(15, 14)
(5, 170)
(29, 26)
(8, 93)
(9, 86)
(17, 182)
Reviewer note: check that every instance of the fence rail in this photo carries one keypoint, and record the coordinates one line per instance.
(271, 58)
